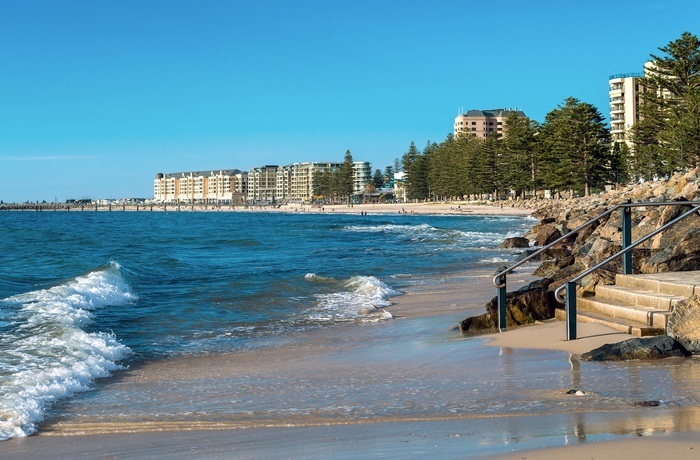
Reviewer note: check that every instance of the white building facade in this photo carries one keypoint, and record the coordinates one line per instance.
(625, 90)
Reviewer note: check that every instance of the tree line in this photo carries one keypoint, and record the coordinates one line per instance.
(335, 186)
(572, 150)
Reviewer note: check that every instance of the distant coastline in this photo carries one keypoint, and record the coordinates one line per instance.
(442, 208)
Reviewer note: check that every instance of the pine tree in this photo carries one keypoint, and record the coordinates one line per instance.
(668, 133)
(520, 163)
(576, 147)
(346, 182)
(378, 179)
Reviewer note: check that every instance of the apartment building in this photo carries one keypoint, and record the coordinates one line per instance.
(283, 183)
(262, 184)
(165, 188)
(295, 182)
(624, 105)
(302, 179)
(361, 174)
(482, 123)
(201, 187)
(266, 184)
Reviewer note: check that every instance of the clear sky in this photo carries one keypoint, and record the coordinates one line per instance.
(98, 96)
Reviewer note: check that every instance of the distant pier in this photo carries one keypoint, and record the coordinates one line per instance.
(48, 207)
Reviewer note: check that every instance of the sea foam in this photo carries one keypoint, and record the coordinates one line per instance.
(46, 353)
(446, 238)
(361, 298)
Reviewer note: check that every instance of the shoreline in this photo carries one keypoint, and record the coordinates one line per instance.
(419, 337)
(355, 349)
(443, 208)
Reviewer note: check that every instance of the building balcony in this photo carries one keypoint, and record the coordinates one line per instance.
(622, 76)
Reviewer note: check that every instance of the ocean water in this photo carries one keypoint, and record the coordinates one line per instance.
(85, 294)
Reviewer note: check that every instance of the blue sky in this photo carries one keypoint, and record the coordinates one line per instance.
(96, 97)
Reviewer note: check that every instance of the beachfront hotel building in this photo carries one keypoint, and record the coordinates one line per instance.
(625, 92)
(263, 185)
(361, 174)
(302, 179)
(228, 186)
(482, 123)
(624, 105)
(295, 182)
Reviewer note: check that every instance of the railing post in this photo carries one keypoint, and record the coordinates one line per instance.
(502, 304)
(627, 239)
(570, 310)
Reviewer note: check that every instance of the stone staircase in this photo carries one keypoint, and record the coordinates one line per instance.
(637, 304)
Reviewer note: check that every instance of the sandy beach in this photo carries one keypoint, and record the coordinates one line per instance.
(416, 358)
(450, 208)
(441, 208)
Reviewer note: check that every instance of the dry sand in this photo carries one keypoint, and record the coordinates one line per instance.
(441, 208)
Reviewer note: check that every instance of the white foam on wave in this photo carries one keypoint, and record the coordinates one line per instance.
(420, 229)
(47, 356)
(363, 298)
(494, 260)
(448, 238)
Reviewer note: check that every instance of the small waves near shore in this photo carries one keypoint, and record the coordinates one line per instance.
(46, 351)
(85, 296)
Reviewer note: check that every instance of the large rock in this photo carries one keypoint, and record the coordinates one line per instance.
(589, 282)
(549, 268)
(684, 324)
(525, 306)
(643, 348)
(684, 256)
(527, 253)
(515, 242)
(543, 234)
(677, 232)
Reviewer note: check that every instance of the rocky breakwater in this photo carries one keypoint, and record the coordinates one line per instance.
(675, 249)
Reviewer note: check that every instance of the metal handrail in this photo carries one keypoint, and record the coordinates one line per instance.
(499, 280)
(557, 293)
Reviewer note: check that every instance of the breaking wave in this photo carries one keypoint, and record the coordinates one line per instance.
(45, 352)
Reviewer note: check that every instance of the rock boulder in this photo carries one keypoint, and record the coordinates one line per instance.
(684, 324)
(684, 256)
(525, 306)
(515, 242)
(643, 348)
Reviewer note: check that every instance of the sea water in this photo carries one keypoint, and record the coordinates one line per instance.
(84, 294)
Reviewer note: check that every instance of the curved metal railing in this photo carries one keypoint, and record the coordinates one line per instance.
(499, 280)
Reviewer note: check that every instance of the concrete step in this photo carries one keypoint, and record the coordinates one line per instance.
(637, 304)
(621, 310)
(628, 327)
(637, 297)
(684, 284)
